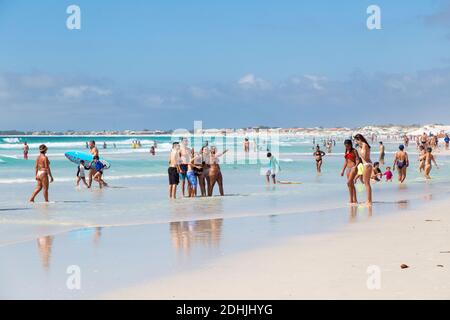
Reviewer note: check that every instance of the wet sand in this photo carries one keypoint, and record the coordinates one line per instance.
(327, 266)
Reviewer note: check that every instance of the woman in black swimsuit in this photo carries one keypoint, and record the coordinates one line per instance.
(318, 154)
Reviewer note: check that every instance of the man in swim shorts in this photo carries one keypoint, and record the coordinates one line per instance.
(174, 169)
(26, 148)
(94, 152)
(185, 156)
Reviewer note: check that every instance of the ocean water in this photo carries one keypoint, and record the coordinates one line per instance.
(138, 184)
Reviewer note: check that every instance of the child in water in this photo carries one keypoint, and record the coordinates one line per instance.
(359, 175)
(80, 174)
(388, 174)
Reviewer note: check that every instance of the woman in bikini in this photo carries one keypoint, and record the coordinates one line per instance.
(350, 165)
(42, 173)
(318, 154)
(215, 175)
(364, 154)
(401, 161)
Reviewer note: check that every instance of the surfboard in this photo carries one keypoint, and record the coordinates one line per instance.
(288, 182)
(77, 156)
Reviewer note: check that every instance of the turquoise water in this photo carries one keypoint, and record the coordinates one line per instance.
(138, 193)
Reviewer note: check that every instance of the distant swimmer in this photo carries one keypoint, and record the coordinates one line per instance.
(42, 173)
(429, 158)
(81, 176)
(401, 162)
(152, 150)
(350, 166)
(104, 145)
(273, 168)
(246, 145)
(382, 153)
(364, 154)
(94, 153)
(26, 148)
(318, 155)
(174, 169)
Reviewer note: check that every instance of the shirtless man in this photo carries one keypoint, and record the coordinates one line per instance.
(424, 140)
(26, 148)
(382, 153)
(185, 156)
(42, 173)
(92, 171)
(174, 169)
(401, 161)
(428, 157)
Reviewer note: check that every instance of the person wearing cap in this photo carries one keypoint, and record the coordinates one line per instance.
(43, 173)
(401, 162)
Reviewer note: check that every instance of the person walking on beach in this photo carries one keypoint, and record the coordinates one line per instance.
(174, 169)
(446, 141)
(382, 153)
(351, 162)
(272, 169)
(42, 173)
(319, 154)
(26, 148)
(215, 175)
(364, 154)
(429, 158)
(401, 162)
(94, 152)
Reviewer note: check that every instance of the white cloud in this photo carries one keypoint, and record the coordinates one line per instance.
(251, 81)
(316, 81)
(80, 91)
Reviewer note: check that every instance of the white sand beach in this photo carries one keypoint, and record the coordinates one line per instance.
(327, 266)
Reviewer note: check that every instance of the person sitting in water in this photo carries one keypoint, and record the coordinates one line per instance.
(401, 161)
(273, 168)
(388, 174)
(376, 173)
(81, 176)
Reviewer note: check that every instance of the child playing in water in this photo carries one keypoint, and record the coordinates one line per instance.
(80, 174)
(360, 173)
(98, 165)
(388, 174)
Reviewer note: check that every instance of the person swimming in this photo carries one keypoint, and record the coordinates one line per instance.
(364, 154)
(350, 165)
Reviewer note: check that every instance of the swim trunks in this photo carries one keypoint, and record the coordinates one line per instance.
(183, 168)
(192, 178)
(174, 178)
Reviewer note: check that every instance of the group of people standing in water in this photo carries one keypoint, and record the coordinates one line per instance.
(197, 168)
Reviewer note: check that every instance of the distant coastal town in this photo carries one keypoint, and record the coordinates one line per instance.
(381, 130)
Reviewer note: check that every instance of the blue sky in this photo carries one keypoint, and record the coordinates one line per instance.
(164, 64)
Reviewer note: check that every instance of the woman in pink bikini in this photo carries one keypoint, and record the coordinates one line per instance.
(42, 173)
